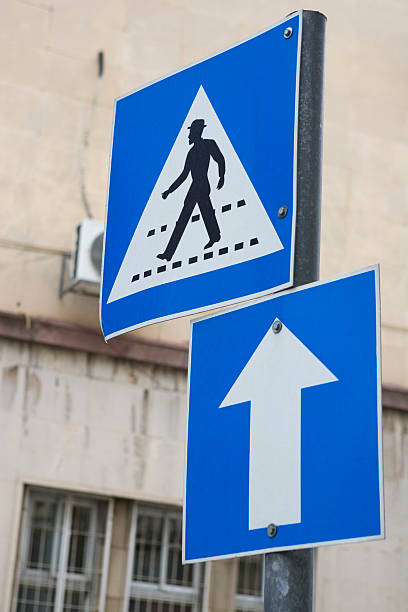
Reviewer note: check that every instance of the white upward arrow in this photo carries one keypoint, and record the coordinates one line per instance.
(272, 380)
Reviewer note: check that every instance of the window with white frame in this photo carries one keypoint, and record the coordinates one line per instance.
(157, 580)
(250, 584)
(63, 557)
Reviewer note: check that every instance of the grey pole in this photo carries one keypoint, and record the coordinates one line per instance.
(289, 575)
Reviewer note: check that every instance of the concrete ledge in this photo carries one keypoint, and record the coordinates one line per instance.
(53, 332)
(395, 398)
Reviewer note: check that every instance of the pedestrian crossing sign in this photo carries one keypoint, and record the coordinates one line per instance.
(202, 193)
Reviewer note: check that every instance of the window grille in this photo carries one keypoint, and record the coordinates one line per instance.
(249, 596)
(157, 580)
(63, 558)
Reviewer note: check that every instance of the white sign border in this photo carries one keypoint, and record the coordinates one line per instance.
(381, 536)
(251, 296)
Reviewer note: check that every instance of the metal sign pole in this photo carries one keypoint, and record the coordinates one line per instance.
(289, 575)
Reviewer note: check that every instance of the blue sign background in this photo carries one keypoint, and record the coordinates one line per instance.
(340, 480)
(252, 87)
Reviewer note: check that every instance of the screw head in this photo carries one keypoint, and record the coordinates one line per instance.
(271, 530)
(282, 212)
(288, 33)
(276, 326)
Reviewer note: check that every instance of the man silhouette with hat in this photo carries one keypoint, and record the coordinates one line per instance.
(197, 162)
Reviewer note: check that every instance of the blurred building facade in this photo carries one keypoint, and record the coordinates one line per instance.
(92, 452)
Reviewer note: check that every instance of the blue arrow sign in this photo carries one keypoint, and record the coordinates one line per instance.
(203, 164)
(284, 423)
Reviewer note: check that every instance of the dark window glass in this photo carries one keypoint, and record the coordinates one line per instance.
(41, 534)
(177, 573)
(250, 571)
(146, 605)
(79, 540)
(35, 599)
(149, 535)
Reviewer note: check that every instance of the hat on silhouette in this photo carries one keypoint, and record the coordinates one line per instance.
(197, 124)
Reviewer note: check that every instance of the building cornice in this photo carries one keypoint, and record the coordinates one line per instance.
(63, 334)
(394, 397)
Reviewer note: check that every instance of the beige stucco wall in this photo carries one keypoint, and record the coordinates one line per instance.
(113, 427)
(85, 423)
(48, 75)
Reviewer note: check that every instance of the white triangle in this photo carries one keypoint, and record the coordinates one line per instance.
(246, 230)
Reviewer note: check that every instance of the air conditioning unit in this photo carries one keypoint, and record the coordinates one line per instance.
(84, 272)
(87, 256)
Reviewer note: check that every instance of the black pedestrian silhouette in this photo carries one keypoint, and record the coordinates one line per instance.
(197, 162)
